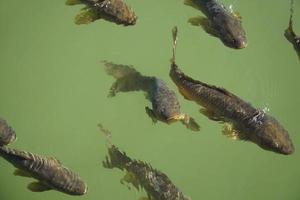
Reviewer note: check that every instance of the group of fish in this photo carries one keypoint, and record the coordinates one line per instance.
(241, 120)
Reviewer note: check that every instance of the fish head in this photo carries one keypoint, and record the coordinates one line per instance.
(79, 189)
(231, 32)
(164, 101)
(270, 135)
(122, 12)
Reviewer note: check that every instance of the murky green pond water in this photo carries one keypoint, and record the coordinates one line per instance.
(54, 93)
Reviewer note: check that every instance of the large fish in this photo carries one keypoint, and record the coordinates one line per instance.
(221, 22)
(165, 105)
(242, 120)
(48, 171)
(142, 175)
(7, 134)
(289, 33)
(116, 11)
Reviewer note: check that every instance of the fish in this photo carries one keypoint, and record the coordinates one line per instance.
(241, 120)
(165, 105)
(116, 11)
(220, 22)
(48, 171)
(140, 174)
(289, 33)
(7, 133)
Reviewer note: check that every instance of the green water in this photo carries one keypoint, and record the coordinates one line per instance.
(54, 92)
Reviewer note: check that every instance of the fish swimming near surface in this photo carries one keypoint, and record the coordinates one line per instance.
(165, 105)
(141, 175)
(49, 172)
(7, 133)
(289, 33)
(221, 22)
(242, 120)
(116, 11)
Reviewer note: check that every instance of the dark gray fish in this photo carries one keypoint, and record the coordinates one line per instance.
(49, 172)
(116, 11)
(289, 33)
(220, 22)
(242, 120)
(7, 133)
(142, 175)
(165, 105)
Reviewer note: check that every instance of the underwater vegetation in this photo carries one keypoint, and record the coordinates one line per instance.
(7, 133)
(49, 172)
(140, 174)
(221, 22)
(116, 11)
(165, 105)
(289, 33)
(242, 120)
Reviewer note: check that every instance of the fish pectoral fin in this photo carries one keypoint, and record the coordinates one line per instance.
(107, 163)
(190, 123)
(210, 114)
(73, 2)
(144, 198)
(54, 160)
(86, 16)
(19, 172)
(192, 4)
(131, 178)
(205, 24)
(151, 114)
(237, 15)
(38, 186)
(230, 131)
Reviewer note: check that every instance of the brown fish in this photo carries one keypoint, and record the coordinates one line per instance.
(221, 22)
(7, 134)
(289, 33)
(242, 120)
(141, 175)
(116, 11)
(49, 172)
(165, 105)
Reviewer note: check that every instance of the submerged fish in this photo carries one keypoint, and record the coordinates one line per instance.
(7, 134)
(165, 106)
(116, 11)
(289, 33)
(220, 22)
(141, 175)
(49, 172)
(243, 121)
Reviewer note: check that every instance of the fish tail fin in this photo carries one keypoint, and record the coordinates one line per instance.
(291, 14)
(73, 2)
(127, 78)
(115, 157)
(106, 133)
(175, 37)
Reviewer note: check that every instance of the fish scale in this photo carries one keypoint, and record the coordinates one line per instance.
(50, 172)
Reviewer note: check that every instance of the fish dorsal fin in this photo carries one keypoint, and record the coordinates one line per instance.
(220, 89)
(55, 160)
(38, 186)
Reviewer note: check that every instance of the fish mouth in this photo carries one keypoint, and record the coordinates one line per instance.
(242, 45)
